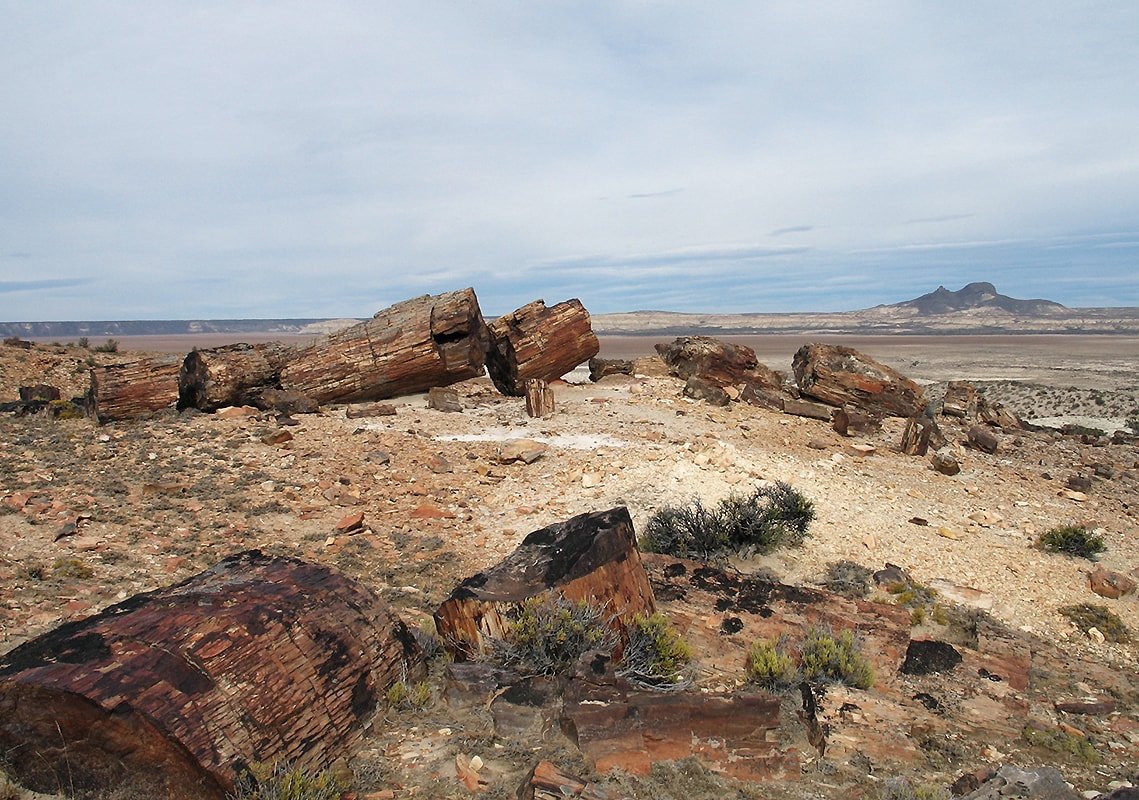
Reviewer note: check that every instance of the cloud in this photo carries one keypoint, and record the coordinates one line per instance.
(41, 285)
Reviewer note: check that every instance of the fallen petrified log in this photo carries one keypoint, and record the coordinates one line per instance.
(173, 691)
(134, 389)
(591, 557)
(412, 346)
(719, 363)
(233, 375)
(842, 376)
(539, 342)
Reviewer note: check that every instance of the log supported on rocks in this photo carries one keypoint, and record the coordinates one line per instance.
(539, 342)
(234, 375)
(173, 691)
(414, 345)
(592, 557)
(134, 389)
(843, 376)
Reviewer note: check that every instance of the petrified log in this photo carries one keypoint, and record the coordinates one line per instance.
(983, 439)
(920, 434)
(539, 398)
(960, 400)
(41, 391)
(539, 342)
(172, 691)
(414, 345)
(591, 557)
(134, 389)
(547, 782)
(717, 362)
(604, 367)
(849, 421)
(994, 413)
(843, 376)
(233, 375)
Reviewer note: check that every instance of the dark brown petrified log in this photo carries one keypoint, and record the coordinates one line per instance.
(414, 345)
(172, 691)
(591, 557)
(719, 363)
(233, 375)
(539, 342)
(134, 389)
(842, 376)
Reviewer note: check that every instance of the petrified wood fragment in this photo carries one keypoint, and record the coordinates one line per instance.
(591, 557)
(539, 398)
(539, 342)
(843, 376)
(134, 389)
(233, 375)
(717, 362)
(414, 345)
(172, 691)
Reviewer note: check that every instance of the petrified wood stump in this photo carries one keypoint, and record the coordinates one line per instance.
(591, 557)
(414, 345)
(539, 342)
(134, 389)
(172, 691)
(232, 375)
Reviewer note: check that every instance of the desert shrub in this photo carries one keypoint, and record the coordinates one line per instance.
(849, 579)
(1086, 616)
(902, 789)
(655, 654)
(771, 665)
(1060, 742)
(65, 409)
(281, 780)
(84, 342)
(826, 657)
(405, 696)
(770, 517)
(1074, 540)
(547, 637)
(70, 568)
(110, 346)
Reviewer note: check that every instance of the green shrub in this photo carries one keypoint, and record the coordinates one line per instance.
(548, 637)
(771, 666)
(1086, 616)
(110, 346)
(1060, 742)
(70, 568)
(404, 696)
(655, 654)
(281, 780)
(849, 579)
(825, 657)
(902, 789)
(84, 342)
(770, 517)
(1074, 540)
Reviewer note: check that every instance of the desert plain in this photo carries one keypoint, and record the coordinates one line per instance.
(91, 515)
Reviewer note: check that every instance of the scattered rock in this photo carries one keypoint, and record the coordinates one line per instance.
(525, 450)
(365, 410)
(983, 439)
(604, 367)
(945, 463)
(444, 398)
(351, 523)
(987, 519)
(277, 437)
(1043, 783)
(1107, 583)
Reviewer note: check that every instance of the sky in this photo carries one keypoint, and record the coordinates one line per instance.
(215, 160)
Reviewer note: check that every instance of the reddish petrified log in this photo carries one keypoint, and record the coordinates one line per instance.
(173, 691)
(719, 363)
(233, 375)
(134, 389)
(591, 557)
(843, 376)
(539, 342)
(412, 346)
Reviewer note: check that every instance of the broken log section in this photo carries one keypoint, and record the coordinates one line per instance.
(233, 375)
(539, 342)
(591, 557)
(134, 389)
(172, 691)
(539, 398)
(412, 346)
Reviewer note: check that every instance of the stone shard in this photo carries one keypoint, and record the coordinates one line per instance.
(158, 691)
(842, 376)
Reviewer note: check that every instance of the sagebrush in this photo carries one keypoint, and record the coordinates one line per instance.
(655, 654)
(1075, 540)
(548, 636)
(283, 780)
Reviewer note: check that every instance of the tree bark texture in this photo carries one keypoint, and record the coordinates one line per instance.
(134, 389)
(539, 342)
(414, 345)
(173, 691)
(230, 376)
(591, 557)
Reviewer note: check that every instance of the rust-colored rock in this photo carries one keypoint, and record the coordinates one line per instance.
(1110, 584)
(256, 659)
(134, 389)
(591, 557)
(539, 342)
(407, 348)
(960, 400)
(547, 782)
(842, 376)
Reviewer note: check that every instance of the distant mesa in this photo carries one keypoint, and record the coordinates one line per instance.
(975, 295)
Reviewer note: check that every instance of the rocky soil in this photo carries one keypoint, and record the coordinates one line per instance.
(90, 515)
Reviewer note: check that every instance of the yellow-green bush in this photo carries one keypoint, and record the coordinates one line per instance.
(771, 666)
(655, 653)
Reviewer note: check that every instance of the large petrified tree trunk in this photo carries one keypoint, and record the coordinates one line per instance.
(539, 342)
(843, 376)
(134, 389)
(229, 376)
(414, 345)
(173, 691)
(592, 557)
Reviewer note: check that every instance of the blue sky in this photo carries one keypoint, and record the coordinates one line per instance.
(163, 160)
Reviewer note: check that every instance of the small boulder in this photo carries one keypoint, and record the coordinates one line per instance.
(444, 398)
(699, 389)
(525, 450)
(604, 367)
(945, 463)
(842, 376)
(983, 439)
(1109, 584)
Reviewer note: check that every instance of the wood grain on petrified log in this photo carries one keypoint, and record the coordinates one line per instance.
(254, 660)
(134, 389)
(539, 342)
(412, 346)
(229, 376)
(842, 376)
(591, 557)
